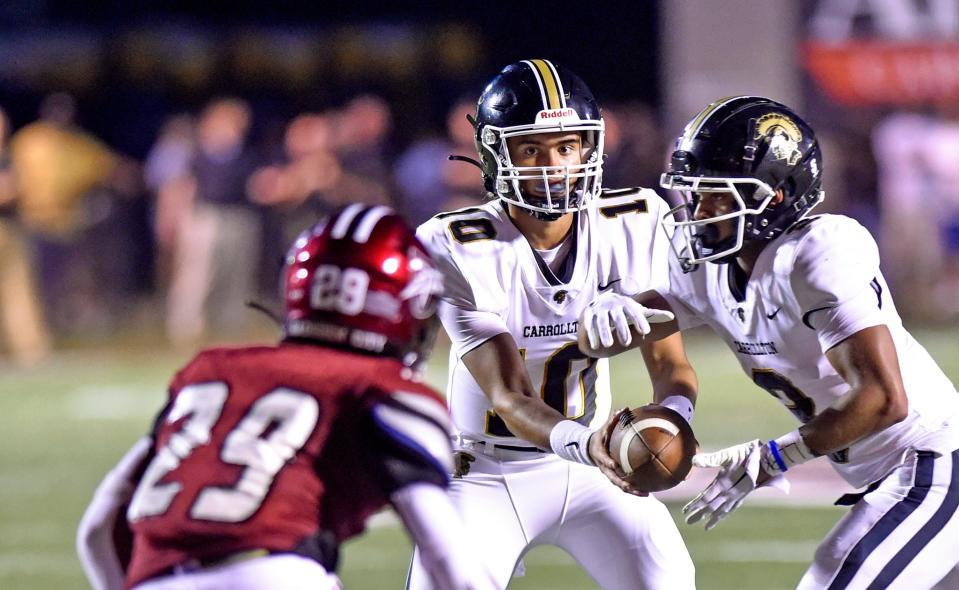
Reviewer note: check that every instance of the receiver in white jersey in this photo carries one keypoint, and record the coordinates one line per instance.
(812, 287)
(495, 283)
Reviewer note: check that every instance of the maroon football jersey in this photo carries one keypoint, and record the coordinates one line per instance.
(264, 447)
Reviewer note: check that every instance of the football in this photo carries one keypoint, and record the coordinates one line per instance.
(654, 446)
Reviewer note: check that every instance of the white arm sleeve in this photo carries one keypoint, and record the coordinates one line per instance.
(437, 531)
(98, 555)
(836, 280)
(469, 328)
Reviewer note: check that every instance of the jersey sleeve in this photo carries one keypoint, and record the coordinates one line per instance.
(467, 325)
(661, 253)
(411, 440)
(680, 290)
(835, 279)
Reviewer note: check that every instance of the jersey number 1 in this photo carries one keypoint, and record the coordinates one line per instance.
(289, 415)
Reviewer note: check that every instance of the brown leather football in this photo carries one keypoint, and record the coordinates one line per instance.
(654, 446)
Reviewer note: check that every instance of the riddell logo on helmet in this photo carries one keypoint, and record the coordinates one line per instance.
(551, 114)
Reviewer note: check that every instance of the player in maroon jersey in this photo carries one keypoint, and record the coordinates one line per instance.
(265, 459)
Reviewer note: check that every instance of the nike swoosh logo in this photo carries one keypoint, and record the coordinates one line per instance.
(774, 314)
(573, 444)
(609, 284)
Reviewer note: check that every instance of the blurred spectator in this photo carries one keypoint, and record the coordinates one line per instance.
(361, 133)
(24, 327)
(57, 168)
(216, 253)
(166, 174)
(918, 160)
(428, 182)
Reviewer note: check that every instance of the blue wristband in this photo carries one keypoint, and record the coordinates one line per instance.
(774, 449)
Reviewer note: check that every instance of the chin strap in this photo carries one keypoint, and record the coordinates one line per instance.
(542, 216)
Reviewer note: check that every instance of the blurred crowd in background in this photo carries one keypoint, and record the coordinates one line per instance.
(151, 181)
(95, 241)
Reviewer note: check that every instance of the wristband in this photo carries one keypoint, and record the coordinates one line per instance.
(681, 405)
(570, 441)
(785, 452)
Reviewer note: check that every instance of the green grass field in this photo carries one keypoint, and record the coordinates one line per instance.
(66, 423)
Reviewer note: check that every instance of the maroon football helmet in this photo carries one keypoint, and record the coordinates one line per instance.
(360, 279)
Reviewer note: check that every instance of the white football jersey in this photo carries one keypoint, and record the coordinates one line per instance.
(811, 288)
(495, 283)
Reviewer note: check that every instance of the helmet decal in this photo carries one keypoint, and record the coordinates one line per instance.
(784, 136)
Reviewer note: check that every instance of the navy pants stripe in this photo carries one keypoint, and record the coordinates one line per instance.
(888, 523)
(925, 534)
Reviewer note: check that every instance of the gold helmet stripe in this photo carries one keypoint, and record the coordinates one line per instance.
(549, 83)
(692, 129)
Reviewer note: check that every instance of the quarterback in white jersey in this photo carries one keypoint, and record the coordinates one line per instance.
(802, 303)
(529, 409)
(496, 284)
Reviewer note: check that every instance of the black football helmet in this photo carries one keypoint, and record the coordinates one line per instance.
(538, 96)
(751, 147)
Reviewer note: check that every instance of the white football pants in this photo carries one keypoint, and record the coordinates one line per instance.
(902, 535)
(622, 541)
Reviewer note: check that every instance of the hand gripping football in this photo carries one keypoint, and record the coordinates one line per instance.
(654, 446)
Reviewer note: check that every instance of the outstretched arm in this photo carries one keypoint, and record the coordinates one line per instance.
(437, 531)
(95, 541)
(673, 378)
(876, 400)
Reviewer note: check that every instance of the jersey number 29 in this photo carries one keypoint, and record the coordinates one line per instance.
(290, 417)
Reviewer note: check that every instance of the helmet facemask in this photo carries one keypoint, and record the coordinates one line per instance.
(566, 189)
(700, 237)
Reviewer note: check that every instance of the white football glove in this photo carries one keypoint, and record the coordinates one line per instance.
(740, 468)
(611, 310)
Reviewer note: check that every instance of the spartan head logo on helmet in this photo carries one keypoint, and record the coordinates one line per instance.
(783, 134)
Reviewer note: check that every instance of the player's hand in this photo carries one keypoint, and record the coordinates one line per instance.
(599, 453)
(611, 311)
(740, 473)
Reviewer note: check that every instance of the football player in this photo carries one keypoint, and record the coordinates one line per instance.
(528, 407)
(802, 303)
(267, 458)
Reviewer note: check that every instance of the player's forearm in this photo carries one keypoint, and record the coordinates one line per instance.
(876, 400)
(864, 411)
(669, 370)
(529, 418)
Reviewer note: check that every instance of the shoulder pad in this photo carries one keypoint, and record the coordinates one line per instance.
(612, 193)
(615, 202)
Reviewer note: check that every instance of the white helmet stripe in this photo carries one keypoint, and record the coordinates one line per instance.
(559, 82)
(368, 223)
(344, 220)
(539, 82)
